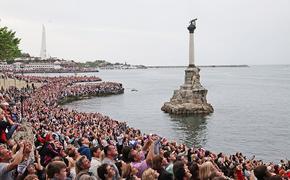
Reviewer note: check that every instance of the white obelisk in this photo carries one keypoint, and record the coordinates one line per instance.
(43, 44)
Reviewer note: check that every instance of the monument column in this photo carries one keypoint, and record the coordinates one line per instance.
(191, 29)
(191, 97)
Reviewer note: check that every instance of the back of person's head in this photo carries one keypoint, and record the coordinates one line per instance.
(219, 178)
(194, 170)
(54, 168)
(261, 172)
(215, 175)
(119, 166)
(31, 177)
(178, 170)
(150, 174)
(126, 170)
(80, 141)
(157, 162)
(87, 177)
(206, 170)
(102, 171)
(125, 154)
(166, 155)
(276, 177)
(207, 153)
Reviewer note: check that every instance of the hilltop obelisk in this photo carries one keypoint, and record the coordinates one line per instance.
(191, 97)
(43, 44)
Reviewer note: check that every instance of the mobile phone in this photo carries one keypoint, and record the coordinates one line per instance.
(157, 146)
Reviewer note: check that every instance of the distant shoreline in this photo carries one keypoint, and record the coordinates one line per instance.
(206, 66)
(54, 71)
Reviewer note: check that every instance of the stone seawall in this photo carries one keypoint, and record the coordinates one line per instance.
(69, 99)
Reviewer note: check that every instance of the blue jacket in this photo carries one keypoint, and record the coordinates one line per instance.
(84, 150)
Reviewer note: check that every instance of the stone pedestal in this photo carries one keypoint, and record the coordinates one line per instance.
(190, 98)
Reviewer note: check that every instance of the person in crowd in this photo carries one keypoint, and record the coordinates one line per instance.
(261, 172)
(6, 165)
(72, 156)
(138, 159)
(7, 125)
(96, 159)
(106, 172)
(207, 170)
(31, 177)
(239, 172)
(111, 153)
(82, 168)
(84, 147)
(27, 159)
(50, 150)
(171, 158)
(194, 171)
(181, 171)
(157, 164)
(28, 166)
(150, 174)
(56, 170)
(127, 171)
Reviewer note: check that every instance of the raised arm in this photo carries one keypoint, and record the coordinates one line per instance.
(150, 154)
(17, 158)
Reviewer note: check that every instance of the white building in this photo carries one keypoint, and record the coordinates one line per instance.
(34, 66)
(5, 66)
(31, 66)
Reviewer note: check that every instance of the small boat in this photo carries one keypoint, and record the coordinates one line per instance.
(134, 89)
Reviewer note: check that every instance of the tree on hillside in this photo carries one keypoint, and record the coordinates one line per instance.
(8, 45)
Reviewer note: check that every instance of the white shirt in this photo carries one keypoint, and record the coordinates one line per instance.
(95, 163)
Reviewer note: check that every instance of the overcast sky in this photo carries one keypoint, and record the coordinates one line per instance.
(153, 32)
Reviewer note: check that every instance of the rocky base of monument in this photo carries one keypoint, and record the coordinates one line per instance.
(190, 98)
(187, 108)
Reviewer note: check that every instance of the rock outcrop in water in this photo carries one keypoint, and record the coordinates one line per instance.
(190, 98)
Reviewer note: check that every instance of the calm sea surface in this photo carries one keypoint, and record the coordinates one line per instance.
(252, 108)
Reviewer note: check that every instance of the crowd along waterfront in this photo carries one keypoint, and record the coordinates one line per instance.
(63, 137)
(251, 103)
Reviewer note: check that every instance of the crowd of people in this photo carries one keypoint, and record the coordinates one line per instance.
(72, 145)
